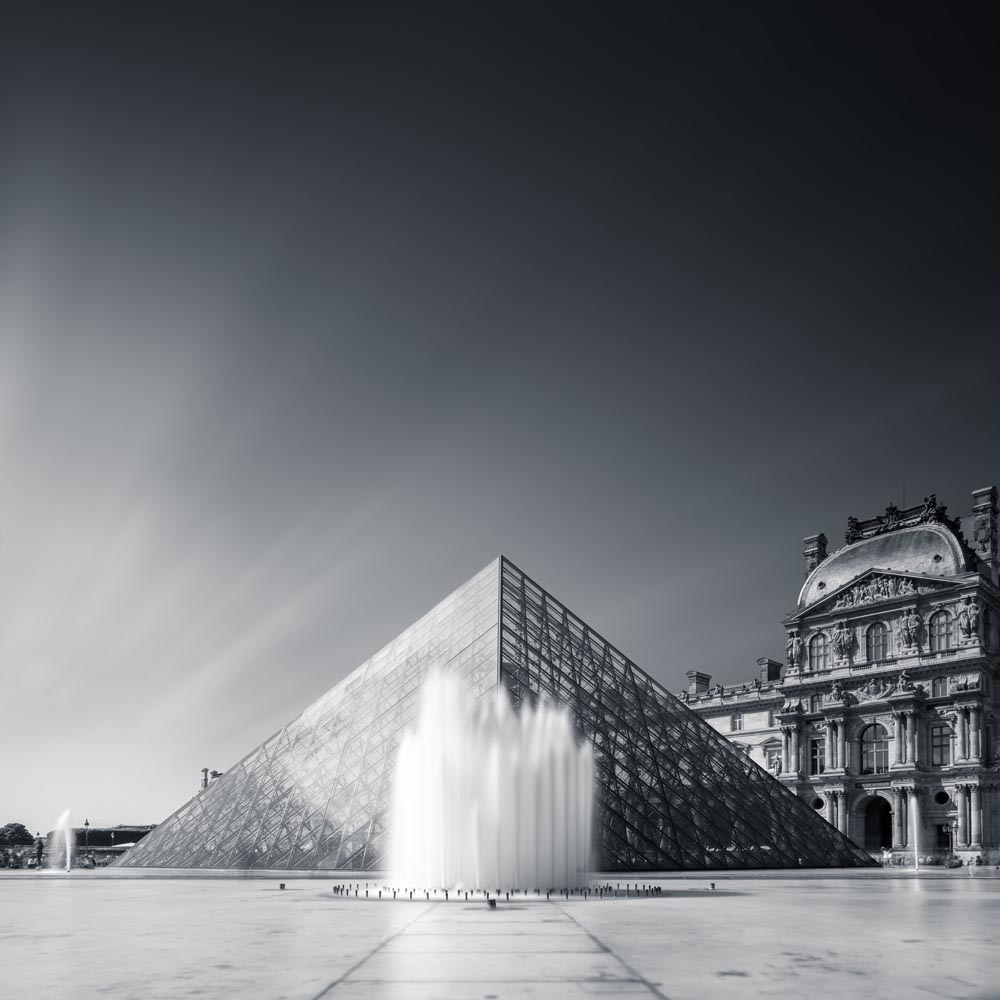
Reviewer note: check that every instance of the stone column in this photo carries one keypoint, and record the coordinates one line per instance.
(986, 794)
(963, 826)
(976, 817)
(974, 717)
(829, 746)
(916, 820)
(905, 817)
(831, 808)
(786, 750)
(897, 818)
(796, 754)
(963, 735)
(842, 812)
(911, 738)
(842, 761)
(898, 738)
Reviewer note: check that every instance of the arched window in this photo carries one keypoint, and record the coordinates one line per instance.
(877, 642)
(874, 750)
(819, 652)
(940, 631)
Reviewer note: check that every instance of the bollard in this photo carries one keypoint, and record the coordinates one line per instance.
(491, 903)
(713, 885)
(380, 894)
(446, 895)
(508, 897)
(281, 885)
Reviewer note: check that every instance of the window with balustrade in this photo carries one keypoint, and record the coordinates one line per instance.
(940, 631)
(819, 652)
(877, 643)
(874, 750)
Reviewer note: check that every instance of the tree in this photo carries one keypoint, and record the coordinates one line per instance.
(15, 835)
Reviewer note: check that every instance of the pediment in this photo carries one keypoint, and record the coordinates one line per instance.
(876, 586)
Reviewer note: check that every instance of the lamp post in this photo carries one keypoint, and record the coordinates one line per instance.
(86, 833)
(953, 827)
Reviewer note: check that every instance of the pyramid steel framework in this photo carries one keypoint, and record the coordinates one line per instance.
(673, 793)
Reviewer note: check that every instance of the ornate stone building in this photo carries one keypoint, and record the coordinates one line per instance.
(884, 716)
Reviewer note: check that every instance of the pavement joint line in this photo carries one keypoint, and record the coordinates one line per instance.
(357, 965)
(634, 973)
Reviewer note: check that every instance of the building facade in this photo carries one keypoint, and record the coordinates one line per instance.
(884, 717)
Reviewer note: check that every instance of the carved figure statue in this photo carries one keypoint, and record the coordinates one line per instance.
(908, 629)
(837, 691)
(719, 690)
(793, 649)
(929, 515)
(968, 618)
(974, 616)
(843, 640)
(685, 696)
(776, 766)
(904, 683)
(853, 530)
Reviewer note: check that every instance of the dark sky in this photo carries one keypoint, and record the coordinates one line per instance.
(303, 320)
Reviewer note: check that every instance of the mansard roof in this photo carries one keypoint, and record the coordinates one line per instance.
(931, 550)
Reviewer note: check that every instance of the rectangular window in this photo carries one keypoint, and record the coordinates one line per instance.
(940, 746)
(737, 722)
(817, 756)
(939, 687)
(816, 703)
(772, 756)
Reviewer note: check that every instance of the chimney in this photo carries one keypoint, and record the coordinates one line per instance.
(204, 778)
(984, 530)
(814, 551)
(698, 682)
(770, 670)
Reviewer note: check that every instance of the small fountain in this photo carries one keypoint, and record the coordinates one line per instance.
(61, 848)
(490, 798)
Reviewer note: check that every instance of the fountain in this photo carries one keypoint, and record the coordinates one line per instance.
(61, 854)
(490, 798)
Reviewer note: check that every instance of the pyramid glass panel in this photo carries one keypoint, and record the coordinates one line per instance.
(673, 793)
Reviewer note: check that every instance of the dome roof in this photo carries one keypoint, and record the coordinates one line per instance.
(928, 549)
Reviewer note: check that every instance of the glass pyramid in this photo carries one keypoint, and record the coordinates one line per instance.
(673, 793)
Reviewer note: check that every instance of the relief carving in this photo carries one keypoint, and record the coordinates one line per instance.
(963, 682)
(985, 536)
(874, 690)
(836, 695)
(874, 589)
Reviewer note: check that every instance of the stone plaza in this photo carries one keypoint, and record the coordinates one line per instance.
(861, 933)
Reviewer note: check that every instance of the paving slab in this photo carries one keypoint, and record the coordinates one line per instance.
(780, 935)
